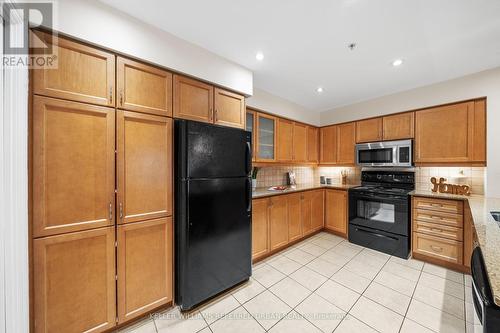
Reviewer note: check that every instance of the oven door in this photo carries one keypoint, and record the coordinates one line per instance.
(366, 155)
(384, 212)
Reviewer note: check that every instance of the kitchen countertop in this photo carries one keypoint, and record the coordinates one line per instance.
(487, 230)
(261, 192)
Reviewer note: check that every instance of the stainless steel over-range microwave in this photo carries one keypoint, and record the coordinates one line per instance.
(387, 153)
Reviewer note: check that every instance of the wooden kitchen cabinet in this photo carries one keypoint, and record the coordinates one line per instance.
(193, 100)
(285, 140)
(73, 166)
(278, 222)
(260, 227)
(74, 282)
(328, 145)
(145, 267)
(399, 126)
(306, 210)
(144, 166)
(83, 73)
(143, 88)
(336, 211)
(312, 144)
(266, 138)
(369, 130)
(299, 142)
(229, 108)
(451, 134)
(345, 143)
(294, 216)
(317, 210)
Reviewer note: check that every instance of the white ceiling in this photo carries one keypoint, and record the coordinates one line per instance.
(305, 42)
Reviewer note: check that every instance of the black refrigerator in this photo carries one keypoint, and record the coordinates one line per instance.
(213, 210)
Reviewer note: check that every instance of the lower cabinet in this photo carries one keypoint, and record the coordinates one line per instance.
(317, 210)
(306, 209)
(74, 279)
(294, 216)
(278, 221)
(336, 211)
(260, 228)
(144, 266)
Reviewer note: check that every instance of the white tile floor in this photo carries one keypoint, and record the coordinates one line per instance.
(325, 284)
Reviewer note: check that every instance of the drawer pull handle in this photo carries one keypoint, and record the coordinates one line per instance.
(436, 205)
(437, 248)
(436, 218)
(436, 230)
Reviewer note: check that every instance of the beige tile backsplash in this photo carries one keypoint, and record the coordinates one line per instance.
(276, 175)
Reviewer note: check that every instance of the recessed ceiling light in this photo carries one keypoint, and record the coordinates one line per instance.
(397, 62)
(351, 46)
(259, 56)
(319, 90)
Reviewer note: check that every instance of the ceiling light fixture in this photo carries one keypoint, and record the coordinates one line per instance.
(319, 90)
(259, 56)
(397, 62)
(351, 46)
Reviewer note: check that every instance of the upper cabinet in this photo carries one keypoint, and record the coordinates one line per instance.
(229, 108)
(143, 88)
(285, 140)
(399, 126)
(193, 99)
(83, 73)
(451, 134)
(369, 130)
(266, 138)
(299, 142)
(345, 143)
(312, 144)
(328, 145)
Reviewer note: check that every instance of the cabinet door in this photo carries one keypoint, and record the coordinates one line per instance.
(317, 210)
(229, 109)
(266, 138)
(193, 100)
(336, 211)
(145, 267)
(306, 210)
(328, 141)
(74, 281)
(278, 221)
(285, 140)
(260, 228)
(399, 126)
(312, 144)
(445, 134)
(83, 73)
(250, 126)
(73, 166)
(143, 88)
(299, 142)
(294, 216)
(345, 143)
(144, 166)
(479, 132)
(369, 130)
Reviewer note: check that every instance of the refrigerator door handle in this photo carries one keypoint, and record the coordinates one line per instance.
(249, 195)
(248, 151)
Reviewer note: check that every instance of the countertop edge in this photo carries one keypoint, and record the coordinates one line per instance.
(263, 192)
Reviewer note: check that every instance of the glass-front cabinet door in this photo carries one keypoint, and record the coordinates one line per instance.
(266, 138)
(250, 126)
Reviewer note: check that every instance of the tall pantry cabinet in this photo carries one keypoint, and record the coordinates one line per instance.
(101, 191)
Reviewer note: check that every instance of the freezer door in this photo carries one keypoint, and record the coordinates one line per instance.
(215, 151)
(215, 238)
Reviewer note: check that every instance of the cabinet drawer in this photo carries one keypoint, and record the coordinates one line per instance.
(438, 217)
(447, 206)
(439, 248)
(438, 230)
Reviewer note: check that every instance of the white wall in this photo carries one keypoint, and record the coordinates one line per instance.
(486, 83)
(282, 107)
(97, 23)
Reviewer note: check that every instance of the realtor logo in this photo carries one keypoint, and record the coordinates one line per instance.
(22, 48)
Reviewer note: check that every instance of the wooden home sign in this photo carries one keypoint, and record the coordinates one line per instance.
(442, 187)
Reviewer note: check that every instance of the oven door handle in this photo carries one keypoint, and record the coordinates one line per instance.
(376, 234)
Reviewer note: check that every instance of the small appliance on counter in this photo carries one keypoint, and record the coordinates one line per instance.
(290, 179)
(379, 211)
(322, 180)
(213, 212)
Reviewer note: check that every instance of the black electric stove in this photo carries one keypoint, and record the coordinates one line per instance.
(379, 211)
